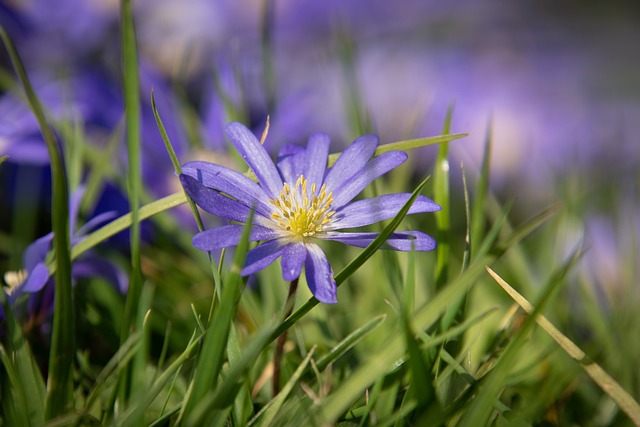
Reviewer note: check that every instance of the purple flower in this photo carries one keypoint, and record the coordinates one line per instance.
(35, 276)
(298, 201)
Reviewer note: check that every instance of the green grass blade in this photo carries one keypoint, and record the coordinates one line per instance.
(225, 394)
(482, 406)
(482, 188)
(608, 384)
(122, 223)
(268, 413)
(23, 381)
(131, 86)
(174, 158)
(215, 340)
(349, 342)
(63, 337)
(119, 360)
(408, 144)
(441, 195)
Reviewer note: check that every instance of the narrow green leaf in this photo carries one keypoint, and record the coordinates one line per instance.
(119, 360)
(174, 159)
(442, 197)
(3, 158)
(269, 412)
(215, 339)
(131, 87)
(408, 144)
(482, 406)
(226, 392)
(482, 188)
(349, 342)
(23, 381)
(63, 337)
(608, 384)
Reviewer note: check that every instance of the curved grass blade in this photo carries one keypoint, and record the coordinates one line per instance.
(268, 413)
(608, 385)
(408, 144)
(63, 337)
(349, 342)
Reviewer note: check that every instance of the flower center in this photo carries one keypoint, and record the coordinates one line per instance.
(302, 211)
(14, 279)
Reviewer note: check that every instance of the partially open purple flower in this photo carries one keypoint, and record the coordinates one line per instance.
(300, 200)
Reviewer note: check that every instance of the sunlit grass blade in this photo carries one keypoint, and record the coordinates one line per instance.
(354, 265)
(408, 144)
(482, 187)
(608, 384)
(442, 197)
(481, 407)
(214, 345)
(269, 412)
(174, 158)
(63, 336)
(122, 223)
(3, 159)
(349, 342)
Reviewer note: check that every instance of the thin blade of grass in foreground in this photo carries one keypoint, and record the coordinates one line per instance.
(609, 385)
(268, 413)
(214, 344)
(63, 335)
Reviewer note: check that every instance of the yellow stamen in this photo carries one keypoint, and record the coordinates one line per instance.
(301, 212)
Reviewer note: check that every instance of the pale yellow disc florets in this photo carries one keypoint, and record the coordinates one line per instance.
(302, 211)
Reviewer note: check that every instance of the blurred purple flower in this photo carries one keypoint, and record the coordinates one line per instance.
(300, 200)
(35, 277)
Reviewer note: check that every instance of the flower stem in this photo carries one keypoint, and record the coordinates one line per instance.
(279, 351)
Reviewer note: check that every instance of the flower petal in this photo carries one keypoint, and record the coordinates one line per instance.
(372, 170)
(320, 275)
(38, 277)
(400, 241)
(352, 159)
(291, 163)
(91, 266)
(230, 182)
(315, 159)
(262, 255)
(36, 252)
(214, 202)
(369, 211)
(293, 258)
(229, 235)
(256, 157)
